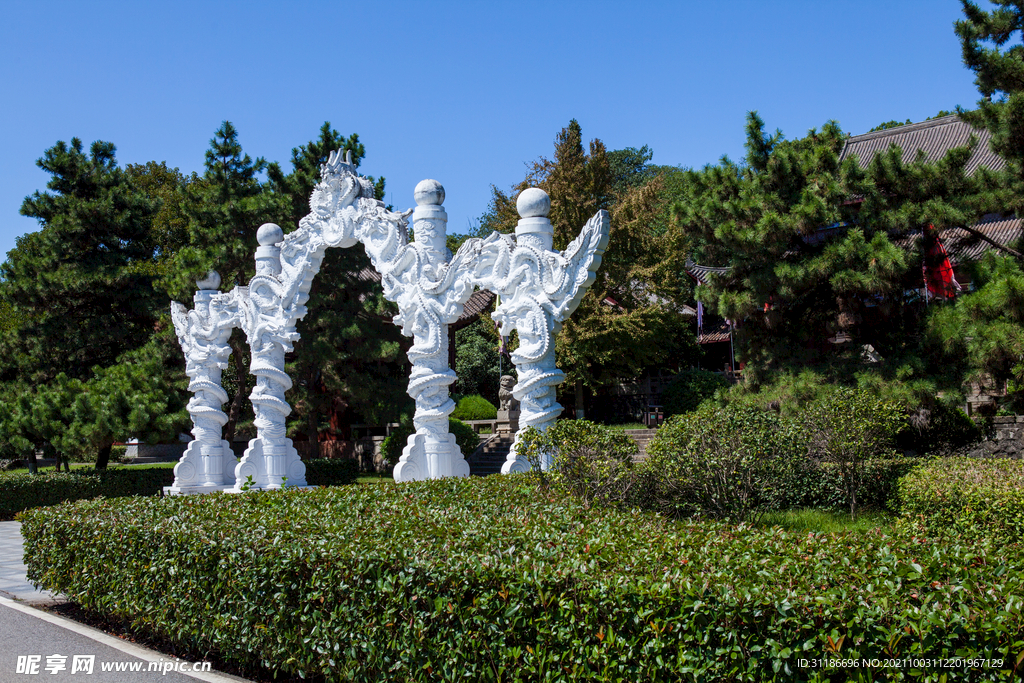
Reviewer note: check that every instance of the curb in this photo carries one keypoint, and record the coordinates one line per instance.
(130, 649)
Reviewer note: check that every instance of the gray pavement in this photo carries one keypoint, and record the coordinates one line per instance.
(13, 583)
(40, 644)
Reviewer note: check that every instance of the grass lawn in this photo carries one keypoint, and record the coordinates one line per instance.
(374, 478)
(828, 521)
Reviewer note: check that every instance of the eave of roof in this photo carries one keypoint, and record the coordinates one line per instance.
(935, 137)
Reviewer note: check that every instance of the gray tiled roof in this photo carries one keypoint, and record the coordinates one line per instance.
(474, 308)
(935, 137)
(964, 247)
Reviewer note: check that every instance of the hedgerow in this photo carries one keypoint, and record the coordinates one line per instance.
(973, 497)
(20, 491)
(474, 407)
(495, 579)
(323, 472)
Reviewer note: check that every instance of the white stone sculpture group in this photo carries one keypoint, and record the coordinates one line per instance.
(539, 288)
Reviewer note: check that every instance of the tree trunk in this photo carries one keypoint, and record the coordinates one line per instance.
(103, 457)
(1001, 247)
(312, 431)
(580, 412)
(241, 387)
(33, 466)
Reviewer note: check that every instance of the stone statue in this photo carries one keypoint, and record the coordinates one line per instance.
(208, 463)
(539, 289)
(507, 400)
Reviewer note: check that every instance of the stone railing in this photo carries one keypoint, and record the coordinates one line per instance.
(1006, 439)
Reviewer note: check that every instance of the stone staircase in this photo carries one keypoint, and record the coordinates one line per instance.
(490, 455)
(642, 438)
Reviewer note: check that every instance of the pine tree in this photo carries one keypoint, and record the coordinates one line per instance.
(81, 289)
(632, 304)
(349, 364)
(224, 210)
(983, 35)
(786, 289)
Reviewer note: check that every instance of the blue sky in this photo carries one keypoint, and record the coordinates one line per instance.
(463, 92)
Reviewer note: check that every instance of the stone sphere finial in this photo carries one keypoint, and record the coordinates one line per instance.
(428, 192)
(211, 281)
(533, 202)
(269, 234)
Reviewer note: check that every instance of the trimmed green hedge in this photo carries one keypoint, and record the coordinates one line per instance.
(820, 485)
(474, 407)
(323, 472)
(494, 579)
(974, 497)
(20, 491)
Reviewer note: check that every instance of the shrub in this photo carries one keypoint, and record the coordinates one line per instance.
(845, 427)
(728, 462)
(474, 408)
(979, 498)
(941, 430)
(465, 437)
(813, 484)
(337, 472)
(590, 461)
(391, 448)
(483, 579)
(689, 389)
(21, 491)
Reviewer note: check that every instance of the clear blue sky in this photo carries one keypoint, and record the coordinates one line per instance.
(463, 92)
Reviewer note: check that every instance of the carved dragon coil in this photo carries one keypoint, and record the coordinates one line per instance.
(268, 396)
(204, 408)
(431, 376)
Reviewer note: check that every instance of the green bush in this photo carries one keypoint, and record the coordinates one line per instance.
(940, 430)
(590, 461)
(978, 498)
(722, 462)
(845, 428)
(21, 491)
(689, 389)
(483, 579)
(391, 448)
(323, 472)
(474, 408)
(465, 437)
(813, 484)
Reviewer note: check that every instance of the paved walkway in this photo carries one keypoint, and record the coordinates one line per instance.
(38, 644)
(13, 583)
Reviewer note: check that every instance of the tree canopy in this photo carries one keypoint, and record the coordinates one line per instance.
(635, 301)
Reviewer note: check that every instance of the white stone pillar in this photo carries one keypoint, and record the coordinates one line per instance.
(270, 461)
(208, 463)
(431, 452)
(538, 376)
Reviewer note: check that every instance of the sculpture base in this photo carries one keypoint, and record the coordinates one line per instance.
(212, 472)
(193, 490)
(427, 457)
(259, 469)
(507, 422)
